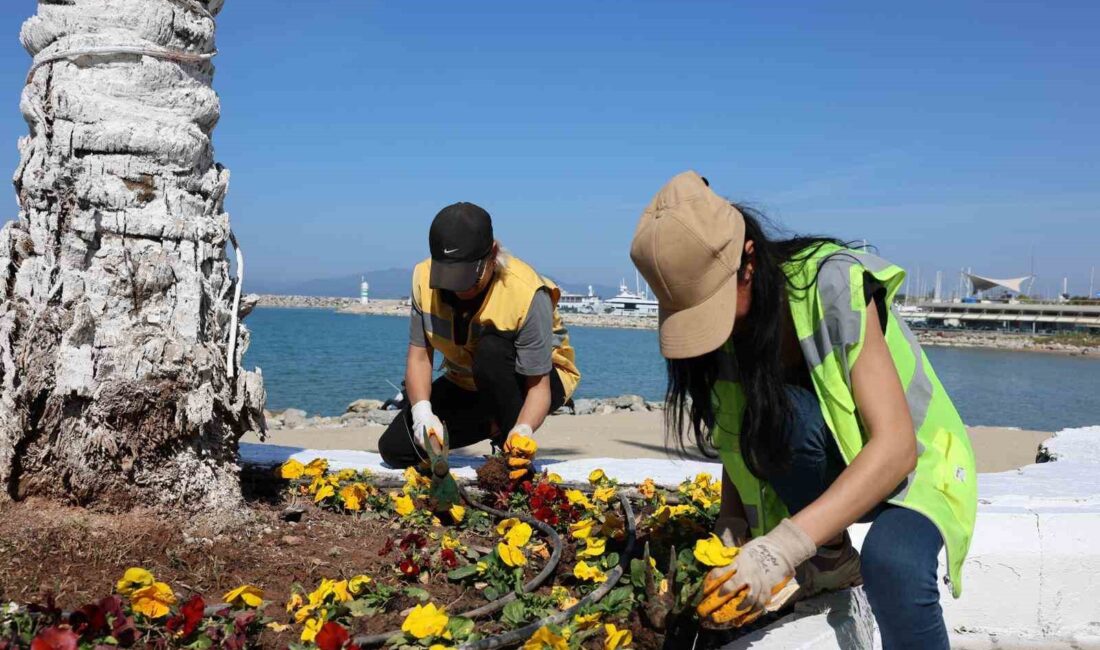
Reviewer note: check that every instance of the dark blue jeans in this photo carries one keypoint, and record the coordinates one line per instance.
(899, 554)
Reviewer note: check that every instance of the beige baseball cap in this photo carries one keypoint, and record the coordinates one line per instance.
(688, 246)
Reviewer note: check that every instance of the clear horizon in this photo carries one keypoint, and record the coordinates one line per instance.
(946, 134)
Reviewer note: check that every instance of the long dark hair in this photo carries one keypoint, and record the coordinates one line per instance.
(764, 436)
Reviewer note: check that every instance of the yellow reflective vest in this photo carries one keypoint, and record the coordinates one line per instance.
(503, 311)
(825, 292)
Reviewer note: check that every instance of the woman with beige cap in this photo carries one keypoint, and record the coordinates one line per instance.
(823, 408)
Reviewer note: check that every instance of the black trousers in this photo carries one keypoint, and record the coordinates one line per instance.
(469, 415)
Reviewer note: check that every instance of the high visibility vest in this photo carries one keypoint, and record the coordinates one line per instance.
(503, 312)
(830, 316)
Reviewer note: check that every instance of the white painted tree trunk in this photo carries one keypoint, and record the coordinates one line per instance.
(117, 302)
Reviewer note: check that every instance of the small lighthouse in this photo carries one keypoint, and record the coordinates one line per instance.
(364, 291)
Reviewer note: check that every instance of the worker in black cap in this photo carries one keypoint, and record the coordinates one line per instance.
(507, 361)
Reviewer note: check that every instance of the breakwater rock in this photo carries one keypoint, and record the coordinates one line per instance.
(372, 412)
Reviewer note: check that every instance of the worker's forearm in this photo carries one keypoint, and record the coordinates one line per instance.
(536, 404)
(872, 476)
(418, 374)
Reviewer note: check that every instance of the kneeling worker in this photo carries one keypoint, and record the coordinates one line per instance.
(507, 361)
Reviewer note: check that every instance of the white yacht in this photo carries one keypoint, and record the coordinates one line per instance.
(580, 303)
(634, 303)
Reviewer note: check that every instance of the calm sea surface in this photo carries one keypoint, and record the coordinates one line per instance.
(320, 361)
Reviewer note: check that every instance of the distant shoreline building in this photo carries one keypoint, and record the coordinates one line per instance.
(364, 291)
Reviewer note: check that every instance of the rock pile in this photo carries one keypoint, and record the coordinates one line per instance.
(369, 412)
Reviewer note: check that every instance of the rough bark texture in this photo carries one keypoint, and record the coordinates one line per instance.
(117, 299)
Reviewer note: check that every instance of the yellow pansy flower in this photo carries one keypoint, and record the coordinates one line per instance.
(292, 469)
(323, 493)
(594, 547)
(712, 552)
(518, 535)
(353, 496)
(583, 571)
(511, 555)
(316, 467)
(458, 513)
(246, 594)
(596, 476)
(616, 638)
(603, 494)
(545, 639)
(581, 528)
(295, 602)
(358, 584)
(402, 504)
(312, 627)
(345, 474)
(505, 525)
(554, 477)
(277, 627)
(576, 497)
(703, 480)
(482, 566)
(425, 621)
(134, 578)
(648, 488)
(153, 601)
(586, 621)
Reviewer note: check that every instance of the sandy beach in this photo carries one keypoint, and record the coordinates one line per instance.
(638, 435)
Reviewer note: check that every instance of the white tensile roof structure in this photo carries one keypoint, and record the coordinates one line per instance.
(983, 284)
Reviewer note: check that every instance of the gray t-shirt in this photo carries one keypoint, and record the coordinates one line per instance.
(534, 341)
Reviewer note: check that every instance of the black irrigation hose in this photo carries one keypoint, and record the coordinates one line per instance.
(498, 604)
(521, 634)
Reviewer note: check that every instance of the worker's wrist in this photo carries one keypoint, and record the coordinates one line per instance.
(421, 411)
(523, 430)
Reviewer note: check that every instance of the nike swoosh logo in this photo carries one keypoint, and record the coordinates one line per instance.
(448, 251)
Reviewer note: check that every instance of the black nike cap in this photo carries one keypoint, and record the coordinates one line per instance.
(460, 238)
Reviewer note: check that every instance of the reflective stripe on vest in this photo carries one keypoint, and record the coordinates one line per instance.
(503, 312)
(828, 309)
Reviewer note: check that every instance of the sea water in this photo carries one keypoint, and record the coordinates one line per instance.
(320, 361)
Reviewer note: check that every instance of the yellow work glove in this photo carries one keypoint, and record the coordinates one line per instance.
(738, 594)
(519, 448)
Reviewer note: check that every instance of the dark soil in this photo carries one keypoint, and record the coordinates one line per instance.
(492, 476)
(79, 556)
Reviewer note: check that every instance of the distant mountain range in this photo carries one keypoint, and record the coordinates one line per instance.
(387, 283)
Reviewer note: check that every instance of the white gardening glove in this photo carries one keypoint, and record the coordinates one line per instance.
(426, 424)
(738, 594)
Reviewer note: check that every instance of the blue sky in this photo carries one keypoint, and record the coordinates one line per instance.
(946, 133)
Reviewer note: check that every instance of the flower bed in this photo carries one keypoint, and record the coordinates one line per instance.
(369, 558)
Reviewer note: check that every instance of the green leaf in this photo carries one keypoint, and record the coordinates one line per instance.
(460, 628)
(416, 592)
(637, 573)
(610, 560)
(491, 593)
(362, 607)
(515, 613)
(462, 572)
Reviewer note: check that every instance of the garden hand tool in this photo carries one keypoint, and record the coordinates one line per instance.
(444, 488)
(758, 579)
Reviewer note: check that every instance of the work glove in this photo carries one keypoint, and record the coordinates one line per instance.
(832, 568)
(426, 426)
(519, 449)
(738, 594)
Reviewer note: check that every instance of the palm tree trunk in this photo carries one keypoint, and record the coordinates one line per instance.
(117, 382)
